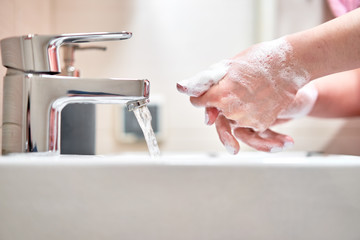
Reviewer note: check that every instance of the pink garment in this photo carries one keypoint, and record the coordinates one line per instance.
(340, 7)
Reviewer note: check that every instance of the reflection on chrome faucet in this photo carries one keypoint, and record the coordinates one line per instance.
(34, 96)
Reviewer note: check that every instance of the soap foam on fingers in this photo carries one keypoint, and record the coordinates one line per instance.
(303, 104)
(203, 81)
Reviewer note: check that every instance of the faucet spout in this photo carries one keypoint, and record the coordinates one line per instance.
(132, 105)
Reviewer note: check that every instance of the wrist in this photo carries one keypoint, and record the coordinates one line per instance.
(330, 47)
(309, 54)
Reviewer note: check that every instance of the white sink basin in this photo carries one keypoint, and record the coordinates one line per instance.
(249, 196)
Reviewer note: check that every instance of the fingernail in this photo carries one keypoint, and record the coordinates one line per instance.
(226, 141)
(191, 91)
(288, 145)
(207, 119)
(203, 81)
(230, 149)
(276, 149)
(180, 88)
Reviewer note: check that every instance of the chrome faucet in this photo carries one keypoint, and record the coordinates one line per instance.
(33, 94)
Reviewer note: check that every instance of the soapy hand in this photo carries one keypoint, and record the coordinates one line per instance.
(268, 141)
(303, 103)
(246, 95)
(258, 85)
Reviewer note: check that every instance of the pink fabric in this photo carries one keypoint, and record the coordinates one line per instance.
(340, 7)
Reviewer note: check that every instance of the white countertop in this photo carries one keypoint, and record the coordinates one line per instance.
(184, 159)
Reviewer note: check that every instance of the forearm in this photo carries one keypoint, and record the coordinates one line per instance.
(329, 48)
(338, 95)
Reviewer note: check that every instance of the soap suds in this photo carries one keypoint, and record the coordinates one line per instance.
(230, 149)
(207, 119)
(288, 145)
(272, 61)
(276, 149)
(203, 81)
(303, 104)
(269, 78)
(226, 139)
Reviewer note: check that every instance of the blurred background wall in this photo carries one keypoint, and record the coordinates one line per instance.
(174, 40)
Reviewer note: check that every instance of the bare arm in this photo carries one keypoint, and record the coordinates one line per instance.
(338, 95)
(330, 47)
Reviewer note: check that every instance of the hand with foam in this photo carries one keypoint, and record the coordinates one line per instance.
(258, 85)
(303, 103)
(268, 141)
(242, 98)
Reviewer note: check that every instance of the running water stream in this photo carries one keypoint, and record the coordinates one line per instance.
(143, 117)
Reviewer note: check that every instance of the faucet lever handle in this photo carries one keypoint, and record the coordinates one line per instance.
(40, 53)
(68, 54)
(101, 48)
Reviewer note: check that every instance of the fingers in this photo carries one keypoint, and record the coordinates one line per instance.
(205, 90)
(206, 99)
(203, 81)
(267, 141)
(182, 88)
(224, 131)
(211, 114)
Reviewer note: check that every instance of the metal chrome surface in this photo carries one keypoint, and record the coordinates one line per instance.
(33, 101)
(40, 53)
(33, 104)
